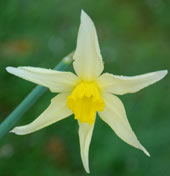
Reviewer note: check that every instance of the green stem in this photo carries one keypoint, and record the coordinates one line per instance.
(32, 97)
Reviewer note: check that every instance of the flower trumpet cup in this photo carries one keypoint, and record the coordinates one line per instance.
(86, 93)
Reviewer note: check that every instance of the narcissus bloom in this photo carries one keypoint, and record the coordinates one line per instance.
(87, 92)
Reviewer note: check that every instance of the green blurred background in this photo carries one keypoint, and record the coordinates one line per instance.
(134, 38)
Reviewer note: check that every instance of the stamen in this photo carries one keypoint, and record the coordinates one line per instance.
(84, 101)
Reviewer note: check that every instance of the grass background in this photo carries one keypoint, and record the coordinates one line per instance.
(134, 38)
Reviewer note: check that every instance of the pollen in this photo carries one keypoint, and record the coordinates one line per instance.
(84, 101)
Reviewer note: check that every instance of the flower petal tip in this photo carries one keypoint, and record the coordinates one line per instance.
(145, 151)
(15, 71)
(85, 19)
(83, 13)
(87, 170)
(10, 69)
(17, 130)
(12, 131)
(164, 72)
(86, 166)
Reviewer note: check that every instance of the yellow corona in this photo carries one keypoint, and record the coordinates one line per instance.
(84, 101)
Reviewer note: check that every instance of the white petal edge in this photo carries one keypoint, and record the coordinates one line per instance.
(115, 116)
(56, 81)
(85, 134)
(88, 62)
(129, 84)
(56, 111)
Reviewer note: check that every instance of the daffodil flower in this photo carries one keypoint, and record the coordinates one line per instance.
(86, 93)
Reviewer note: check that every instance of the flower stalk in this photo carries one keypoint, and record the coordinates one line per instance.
(31, 98)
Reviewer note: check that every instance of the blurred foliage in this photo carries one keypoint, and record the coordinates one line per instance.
(134, 37)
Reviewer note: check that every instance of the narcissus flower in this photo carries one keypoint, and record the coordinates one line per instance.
(86, 93)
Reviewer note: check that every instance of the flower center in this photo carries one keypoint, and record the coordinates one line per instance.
(84, 101)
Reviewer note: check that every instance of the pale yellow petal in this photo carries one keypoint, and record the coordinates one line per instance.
(85, 134)
(88, 62)
(115, 116)
(56, 81)
(129, 84)
(56, 111)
